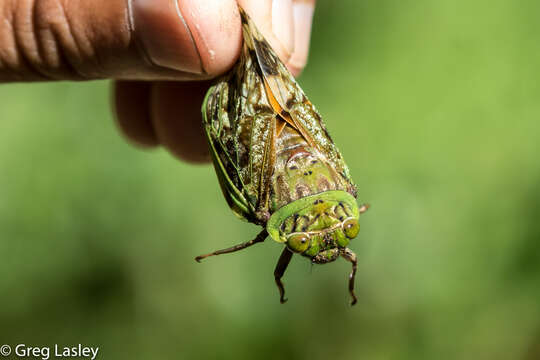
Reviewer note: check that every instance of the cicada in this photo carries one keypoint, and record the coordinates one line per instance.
(276, 162)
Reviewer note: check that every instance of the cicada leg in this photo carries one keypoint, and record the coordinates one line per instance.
(281, 266)
(260, 238)
(363, 208)
(350, 256)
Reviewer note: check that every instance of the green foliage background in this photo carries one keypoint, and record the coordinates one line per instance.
(434, 104)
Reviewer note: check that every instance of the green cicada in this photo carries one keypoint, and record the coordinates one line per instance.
(276, 163)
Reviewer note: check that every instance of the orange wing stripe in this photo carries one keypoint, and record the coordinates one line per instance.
(283, 115)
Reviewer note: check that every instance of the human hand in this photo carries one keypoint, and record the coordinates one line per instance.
(161, 54)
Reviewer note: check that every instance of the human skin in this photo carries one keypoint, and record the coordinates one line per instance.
(161, 54)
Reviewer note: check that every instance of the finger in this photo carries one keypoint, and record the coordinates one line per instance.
(202, 37)
(136, 39)
(176, 115)
(132, 109)
(303, 16)
(274, 19)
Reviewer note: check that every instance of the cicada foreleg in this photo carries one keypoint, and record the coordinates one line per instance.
(350, 256)
(281, 266)
(260, 238)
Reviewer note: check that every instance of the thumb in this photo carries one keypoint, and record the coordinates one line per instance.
(133, 39)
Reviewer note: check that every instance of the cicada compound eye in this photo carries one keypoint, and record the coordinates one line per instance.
(351, 228)
(298, 242)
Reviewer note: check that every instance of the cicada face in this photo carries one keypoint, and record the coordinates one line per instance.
(320, 229)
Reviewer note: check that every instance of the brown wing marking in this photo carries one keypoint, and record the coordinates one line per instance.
(280, 125)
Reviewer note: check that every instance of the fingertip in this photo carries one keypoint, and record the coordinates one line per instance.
(303, 17)
(216, 30)
(190, 36)
(163, 35)
(274, 19)
(283, 24)
(294, 69)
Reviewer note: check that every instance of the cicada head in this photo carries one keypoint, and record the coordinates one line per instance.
(319, 227)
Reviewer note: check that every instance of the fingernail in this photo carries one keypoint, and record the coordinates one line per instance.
(164, 35)
(303, 17)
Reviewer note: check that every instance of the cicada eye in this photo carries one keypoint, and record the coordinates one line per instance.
(351, 228)
(298, 242)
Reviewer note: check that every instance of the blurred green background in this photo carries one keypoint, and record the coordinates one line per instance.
(436, 107)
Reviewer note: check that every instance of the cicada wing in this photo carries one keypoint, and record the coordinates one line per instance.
(289, 101)
(240, 127)
(243, 115)
(227, 172)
